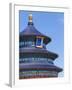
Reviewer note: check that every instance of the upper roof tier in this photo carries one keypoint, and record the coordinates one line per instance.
(30, 30)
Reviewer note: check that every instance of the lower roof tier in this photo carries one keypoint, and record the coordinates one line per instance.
(38, 52)
(34, 66)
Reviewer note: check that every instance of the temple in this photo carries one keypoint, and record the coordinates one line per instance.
(35, 61)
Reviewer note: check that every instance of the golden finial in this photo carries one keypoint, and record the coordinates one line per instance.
(30, 17)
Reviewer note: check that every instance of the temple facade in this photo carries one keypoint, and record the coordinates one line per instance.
(34, 58)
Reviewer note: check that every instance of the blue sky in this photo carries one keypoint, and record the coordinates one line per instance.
(52, 25)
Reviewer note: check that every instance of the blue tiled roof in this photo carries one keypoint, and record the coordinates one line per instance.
(37, 66)
(39, 51)
(30, 30)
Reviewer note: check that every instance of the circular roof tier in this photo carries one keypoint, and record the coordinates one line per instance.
(38, 66)
(37, 51)
(30, 30)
